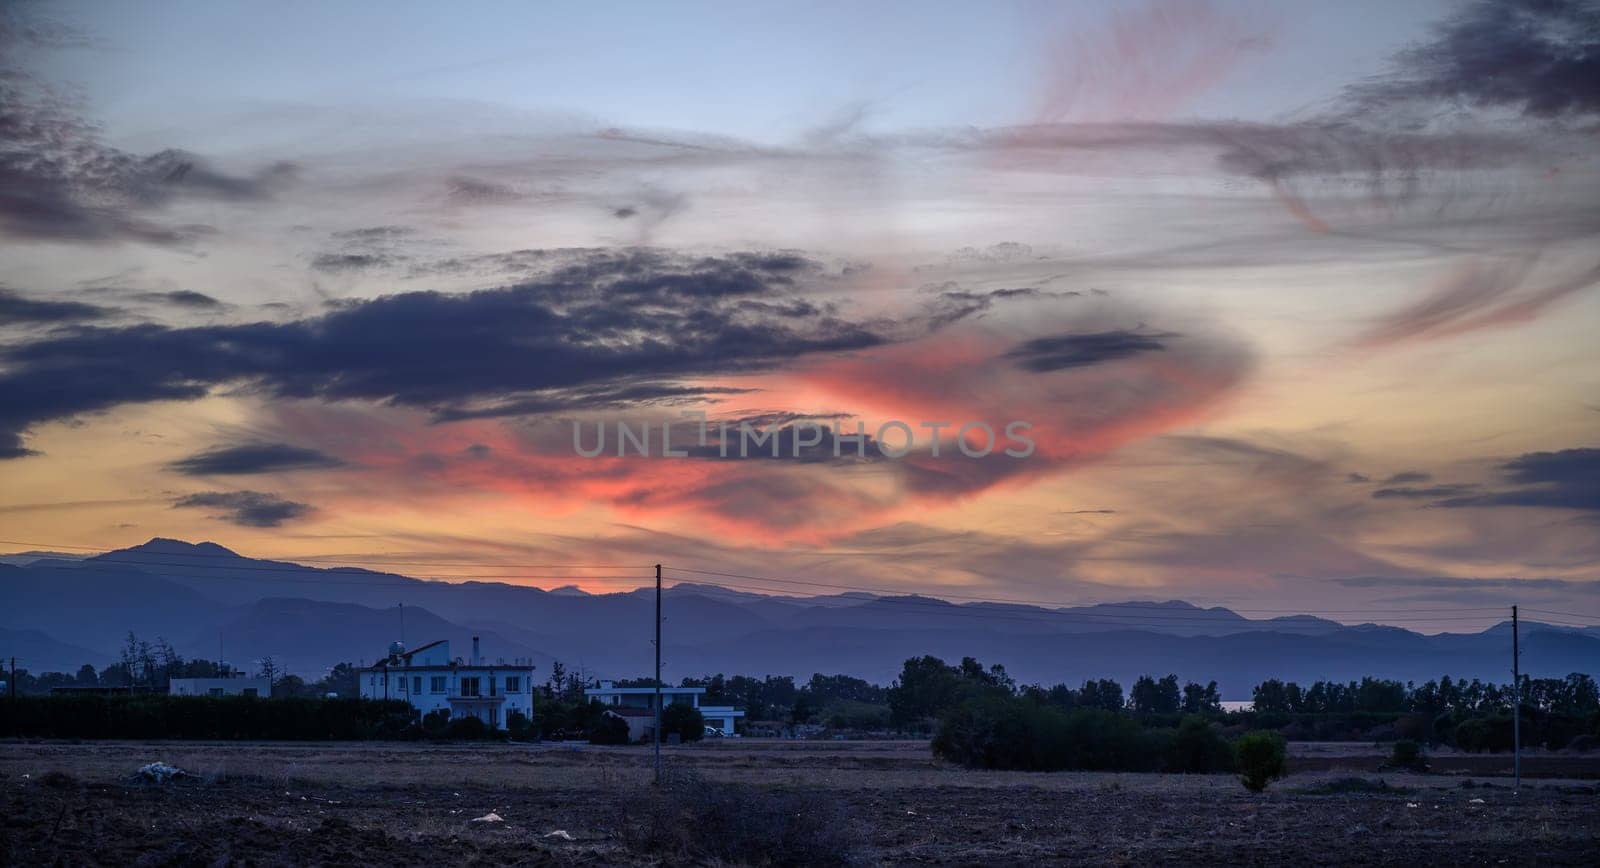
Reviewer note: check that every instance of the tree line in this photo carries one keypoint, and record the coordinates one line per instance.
(149, 666)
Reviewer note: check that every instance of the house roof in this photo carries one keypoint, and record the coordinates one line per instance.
(449, 667)
(421, 648)
(629, 711)
(639, 691)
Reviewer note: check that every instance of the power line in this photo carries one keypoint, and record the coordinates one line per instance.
(1092, 619)
(940, 593)
(1577, 615)
(1144, 615)
(418, 584)
(104, 551)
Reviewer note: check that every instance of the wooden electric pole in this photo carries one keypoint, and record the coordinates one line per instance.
(1516, 701)
(658, 675)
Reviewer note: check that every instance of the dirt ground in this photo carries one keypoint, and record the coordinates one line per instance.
(282, 803)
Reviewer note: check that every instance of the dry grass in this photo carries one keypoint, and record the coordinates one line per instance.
(405, 804)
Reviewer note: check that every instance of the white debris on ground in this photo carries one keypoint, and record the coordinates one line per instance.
(490, 817)
(563, 834)
(1475, 802)
(160, 773)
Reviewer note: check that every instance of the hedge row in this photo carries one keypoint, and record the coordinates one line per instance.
(1003, 732)
(206, 717)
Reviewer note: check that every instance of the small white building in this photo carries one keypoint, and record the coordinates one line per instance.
(430, 679)
(236, 686)
(628, 701)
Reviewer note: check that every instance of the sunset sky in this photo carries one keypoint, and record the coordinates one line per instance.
(1299, 298)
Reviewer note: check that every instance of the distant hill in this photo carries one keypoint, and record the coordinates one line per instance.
(309, 618)
(37, 652)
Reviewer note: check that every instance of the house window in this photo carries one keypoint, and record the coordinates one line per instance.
(217, 691)
(436, 684)
(513, 684)
(469, 687)
(250, 692)
(416, 684)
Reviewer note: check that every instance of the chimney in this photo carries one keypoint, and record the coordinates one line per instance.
(476, 659)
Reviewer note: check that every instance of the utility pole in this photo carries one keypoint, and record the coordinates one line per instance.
(1516, 702)
(658, 675)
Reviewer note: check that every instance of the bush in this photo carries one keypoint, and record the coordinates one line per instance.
(1480, 734)
(518, 726)
(609, 730)
(687, 820)
(685, 720)
(470, 729)
(1198, 748)
(1261, 757)
(436, 722)
(1407, 754)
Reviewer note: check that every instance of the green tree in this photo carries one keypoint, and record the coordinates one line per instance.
(1150, 696)
(1261, 757)
(927, 686)
(683, 719)
(1201, 700)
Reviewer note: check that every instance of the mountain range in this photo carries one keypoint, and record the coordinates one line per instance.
(58, 612)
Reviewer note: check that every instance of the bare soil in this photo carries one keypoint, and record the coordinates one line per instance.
(339, 804)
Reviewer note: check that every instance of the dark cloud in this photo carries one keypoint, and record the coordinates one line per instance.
(374, 234)
(254, 458)
(605, 328)
(335, 262)
(1431, 492)
(11, 446)
(1568, 479)
(15, 308)
(247, 508)
(1060, 352)
(462, 190)
(60, 182)
(1536, 57)
(950, 303)
(181, 298)
(1476, 296)
(1357, 478)
(1407, 477)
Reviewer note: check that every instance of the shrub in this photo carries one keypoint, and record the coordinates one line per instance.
(1407, 754)
(609, 730)
(518, 726)
(1480, 734)
(1261, 758)
(687, 820)
(469, 729)
(685, 720)
(1198, 747)
(436, 723)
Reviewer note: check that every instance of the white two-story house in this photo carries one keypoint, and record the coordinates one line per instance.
(430, 679)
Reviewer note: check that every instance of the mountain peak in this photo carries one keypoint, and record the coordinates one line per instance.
(163, 546)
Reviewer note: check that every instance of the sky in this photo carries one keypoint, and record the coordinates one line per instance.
(1296, 300)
